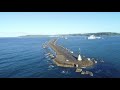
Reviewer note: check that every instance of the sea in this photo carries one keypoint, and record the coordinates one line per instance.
(26, 58)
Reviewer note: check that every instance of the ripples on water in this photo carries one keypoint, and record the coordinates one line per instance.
(25, 57)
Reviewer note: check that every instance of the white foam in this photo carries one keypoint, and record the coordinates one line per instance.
(98, 71)
(51, 66)
(64, 72)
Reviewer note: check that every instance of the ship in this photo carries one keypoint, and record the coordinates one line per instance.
(93, 37)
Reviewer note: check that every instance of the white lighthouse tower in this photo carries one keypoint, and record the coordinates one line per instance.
(79, 56)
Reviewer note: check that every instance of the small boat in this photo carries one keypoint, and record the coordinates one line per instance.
(91, 37)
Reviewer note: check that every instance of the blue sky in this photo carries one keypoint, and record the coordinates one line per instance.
(23, 23)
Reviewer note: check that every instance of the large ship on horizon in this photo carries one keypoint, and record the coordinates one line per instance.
(93, 37)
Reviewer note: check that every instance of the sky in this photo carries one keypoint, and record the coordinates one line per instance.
(14, 24)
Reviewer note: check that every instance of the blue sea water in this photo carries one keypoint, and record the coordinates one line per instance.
(25, 57)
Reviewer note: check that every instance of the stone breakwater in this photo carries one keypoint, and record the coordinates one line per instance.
(64, 58)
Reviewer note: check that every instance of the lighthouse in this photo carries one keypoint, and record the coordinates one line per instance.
(79, 58)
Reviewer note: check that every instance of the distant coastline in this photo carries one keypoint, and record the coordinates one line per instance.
(85, 34)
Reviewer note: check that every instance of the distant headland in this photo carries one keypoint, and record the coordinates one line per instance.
(80, 34)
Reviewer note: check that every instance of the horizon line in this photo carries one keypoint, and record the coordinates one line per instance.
(54, 34)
